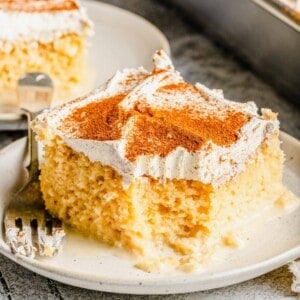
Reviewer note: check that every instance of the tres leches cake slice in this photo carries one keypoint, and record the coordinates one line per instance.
(48, 36)
(160, 167)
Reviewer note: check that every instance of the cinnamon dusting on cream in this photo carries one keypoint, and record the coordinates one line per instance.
(97, 121)
(155, 124)
(38, 5)
(155, 131)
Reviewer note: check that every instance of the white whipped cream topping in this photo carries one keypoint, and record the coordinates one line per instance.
(42, 27)
(211, 164)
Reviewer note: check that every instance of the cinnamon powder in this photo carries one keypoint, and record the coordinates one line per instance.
(154, 131)
(38, 5)
(100, 121)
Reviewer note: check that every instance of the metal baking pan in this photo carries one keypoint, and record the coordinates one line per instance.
(258, 31)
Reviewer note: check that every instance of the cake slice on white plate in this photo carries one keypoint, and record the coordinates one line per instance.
(48, 36)
(163, 168)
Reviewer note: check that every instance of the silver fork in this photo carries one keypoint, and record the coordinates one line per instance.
(29, 228)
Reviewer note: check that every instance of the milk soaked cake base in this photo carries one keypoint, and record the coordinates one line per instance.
(189, 217)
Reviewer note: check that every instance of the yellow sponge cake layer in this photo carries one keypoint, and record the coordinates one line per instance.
(182, 214)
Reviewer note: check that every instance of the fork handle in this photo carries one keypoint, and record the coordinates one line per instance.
(31, 144)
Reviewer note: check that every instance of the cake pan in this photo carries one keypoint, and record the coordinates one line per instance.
(259, 32)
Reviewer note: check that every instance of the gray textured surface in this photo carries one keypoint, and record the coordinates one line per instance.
(198, 59)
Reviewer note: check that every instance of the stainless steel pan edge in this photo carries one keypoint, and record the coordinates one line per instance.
(255, 32)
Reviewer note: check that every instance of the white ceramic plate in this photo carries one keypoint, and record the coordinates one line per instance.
(121, 40)
(91, 265)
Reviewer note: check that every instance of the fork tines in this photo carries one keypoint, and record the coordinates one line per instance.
(33, 233)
